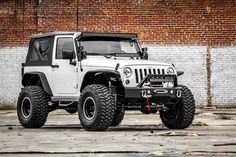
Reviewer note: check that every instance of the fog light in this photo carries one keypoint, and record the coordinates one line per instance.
(168, 84)
(127, 82)
(171, 92)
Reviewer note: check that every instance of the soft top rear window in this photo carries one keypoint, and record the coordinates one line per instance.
(40, 52)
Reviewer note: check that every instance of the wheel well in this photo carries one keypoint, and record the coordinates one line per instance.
(36, 79)
(104, 78)
(31, 79)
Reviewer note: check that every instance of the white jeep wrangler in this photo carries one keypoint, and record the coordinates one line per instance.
(100, 75)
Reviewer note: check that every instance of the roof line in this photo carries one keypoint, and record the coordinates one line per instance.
(87, 34)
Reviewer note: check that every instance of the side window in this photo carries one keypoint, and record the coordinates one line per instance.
(40, 50)
(64, 44)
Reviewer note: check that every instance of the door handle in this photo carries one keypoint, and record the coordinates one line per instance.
(55, 66)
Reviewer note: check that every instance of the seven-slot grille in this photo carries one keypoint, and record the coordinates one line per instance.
(140, 73)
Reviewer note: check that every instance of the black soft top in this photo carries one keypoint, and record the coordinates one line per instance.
(50, 34)
(119, 35)
(88, 34)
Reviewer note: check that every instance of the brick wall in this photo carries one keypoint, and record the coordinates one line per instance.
(223, 77)
(191, 60)
(10, 73)
(174, 31)
(211, 22)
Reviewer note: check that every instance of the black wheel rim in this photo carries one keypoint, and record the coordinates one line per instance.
(26, 107)
(172, 112)
(89, 108)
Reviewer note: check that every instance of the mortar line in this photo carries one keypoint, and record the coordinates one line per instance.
(208, 68)
(77, 15)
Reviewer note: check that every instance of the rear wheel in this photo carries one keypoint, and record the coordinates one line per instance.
(181, 115)
(96, 108)
(32, 107)
(118, 117)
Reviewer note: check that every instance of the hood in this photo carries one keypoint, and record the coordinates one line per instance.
(111, 63)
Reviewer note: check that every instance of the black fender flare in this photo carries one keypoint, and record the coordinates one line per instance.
(41, 76)
(107, 73)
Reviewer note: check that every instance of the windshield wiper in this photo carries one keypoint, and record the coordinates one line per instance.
(107, 55)
(132, 55)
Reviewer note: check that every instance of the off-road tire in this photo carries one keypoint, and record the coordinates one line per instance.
(38, 101)
(118, 117)
(184, 112)
(104, 109)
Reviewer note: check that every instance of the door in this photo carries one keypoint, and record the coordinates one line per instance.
(64, 75)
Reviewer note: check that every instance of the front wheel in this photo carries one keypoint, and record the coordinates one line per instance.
(96, 108)
(181, 115)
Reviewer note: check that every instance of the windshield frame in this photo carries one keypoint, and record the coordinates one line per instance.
(93, 38)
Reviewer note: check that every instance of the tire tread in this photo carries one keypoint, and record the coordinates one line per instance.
(106, 108)
(39, 110)
(186, 116)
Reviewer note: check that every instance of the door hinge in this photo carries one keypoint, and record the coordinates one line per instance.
(76, 69)
(76, 85)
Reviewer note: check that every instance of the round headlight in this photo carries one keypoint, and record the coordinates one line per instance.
(127, 72)
(170, 70)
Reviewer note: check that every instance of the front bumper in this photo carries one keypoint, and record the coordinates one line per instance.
(141, 92)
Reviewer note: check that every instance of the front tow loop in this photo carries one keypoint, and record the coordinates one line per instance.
(178, 93)
(145, 95)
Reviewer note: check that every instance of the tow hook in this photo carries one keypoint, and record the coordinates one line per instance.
(145, 95)
(178, 93)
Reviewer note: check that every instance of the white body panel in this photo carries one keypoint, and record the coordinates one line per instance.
(65, 77)
(101, 61)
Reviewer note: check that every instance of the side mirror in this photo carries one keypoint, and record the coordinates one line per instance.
(67, 54)
(144, 49)
(180, 73)
(144, 53)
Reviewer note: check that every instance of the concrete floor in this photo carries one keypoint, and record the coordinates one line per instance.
(138, 135)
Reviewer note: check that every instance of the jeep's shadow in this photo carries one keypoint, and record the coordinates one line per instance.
(136, 128)
(110, 129)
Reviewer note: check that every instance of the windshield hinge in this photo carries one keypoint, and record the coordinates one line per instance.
(117, 66)
(75, 69)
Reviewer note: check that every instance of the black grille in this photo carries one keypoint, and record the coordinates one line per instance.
(142, 72)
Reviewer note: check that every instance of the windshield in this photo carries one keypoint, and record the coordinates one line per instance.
(108, 45)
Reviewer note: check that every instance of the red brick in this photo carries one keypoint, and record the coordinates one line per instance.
(155, 21)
